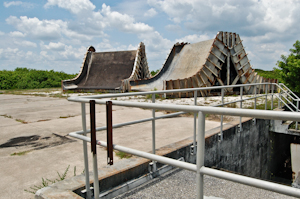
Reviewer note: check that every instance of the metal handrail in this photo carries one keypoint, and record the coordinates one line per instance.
(200, 133)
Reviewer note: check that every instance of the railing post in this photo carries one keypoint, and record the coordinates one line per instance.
(195, 125)
(94, 148)
(200, 154)
(297, 112)
(85, 154)
(221, 126)
(266, 100)
(272, 96)
(153, 132)
(241, 105)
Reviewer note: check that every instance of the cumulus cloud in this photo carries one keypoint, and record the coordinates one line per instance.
(17, 34)
(40, 29)
(123, 22)
(194, 38)
(12, 3)
(55, 46)
(26, 44)
(150, 13)
(74, 6)
(17, 3)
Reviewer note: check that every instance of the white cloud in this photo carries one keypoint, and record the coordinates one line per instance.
(17, 34)
(74, 6)
(55, 46)
(194, 38)
(27, 44)
(12, 3)
(2, 33)
(150, 13)
(40, 29)
(18, 3)
(123, 22)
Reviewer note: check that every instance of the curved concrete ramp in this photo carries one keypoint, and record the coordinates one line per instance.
(220, 61)
(107, 70)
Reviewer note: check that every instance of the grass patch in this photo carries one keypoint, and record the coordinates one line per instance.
(46, 182)
(64, 117)
(20, 153)
(7, 116)
(122, 155)
(22, 121)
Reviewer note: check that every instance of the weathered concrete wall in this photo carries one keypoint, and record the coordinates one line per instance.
(244, 152)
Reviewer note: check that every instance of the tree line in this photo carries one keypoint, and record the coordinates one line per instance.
(24, 78)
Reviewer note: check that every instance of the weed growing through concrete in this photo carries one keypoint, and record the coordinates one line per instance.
(7, 116)
(46, 182)
(122, 155)
(64, 117)
(20, 153)
(22, 121)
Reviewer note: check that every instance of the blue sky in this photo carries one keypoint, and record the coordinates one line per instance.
(55, 34)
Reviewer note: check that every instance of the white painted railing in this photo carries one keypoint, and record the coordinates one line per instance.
(199, 167)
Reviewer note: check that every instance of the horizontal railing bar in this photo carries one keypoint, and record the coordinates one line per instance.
(158, 158)
(262, 114)
(114, 95)
(240, 100)
(133, 122)
(251, 182)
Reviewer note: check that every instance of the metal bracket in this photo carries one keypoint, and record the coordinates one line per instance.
(193, 149)
(152, 169)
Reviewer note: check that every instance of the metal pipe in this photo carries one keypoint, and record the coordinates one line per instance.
(153, 132)
(297, 112)
(266, 100)
(263, 114)
(109, 133)
(235, 101)
(200, 154)
(134, 122)
(251, 182)
(195, 120)
(255, 99)
(85, 154)
(241, 106)
(115, 95)
(221, 126)
(94, 149)
(154, 157)
(272, 96)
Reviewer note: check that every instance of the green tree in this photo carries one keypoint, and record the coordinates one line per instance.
(289, 68)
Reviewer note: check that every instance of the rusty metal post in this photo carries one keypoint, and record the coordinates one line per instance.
(110, 155)
(93, 148)
(228, 68)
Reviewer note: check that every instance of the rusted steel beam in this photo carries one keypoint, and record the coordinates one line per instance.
(219, 67)
(109, 135)
(93, 127)
(241, 58)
